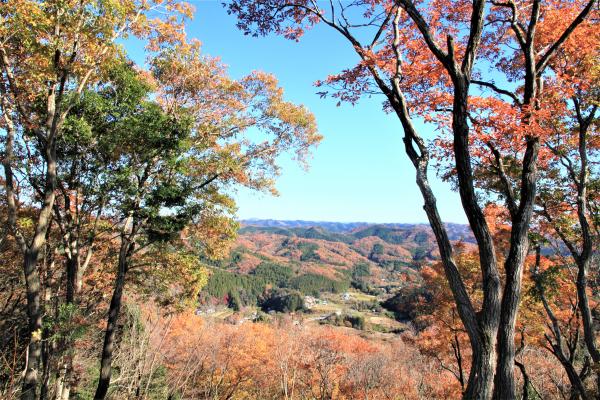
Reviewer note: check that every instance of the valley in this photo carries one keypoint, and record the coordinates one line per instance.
(342, 274)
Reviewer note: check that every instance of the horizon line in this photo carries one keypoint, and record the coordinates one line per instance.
(342, 222)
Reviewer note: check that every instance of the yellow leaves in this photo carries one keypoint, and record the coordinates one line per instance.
(79, 38)
(36, 335)
(173, 278)
(244, 124)
(214, 233)
(25, 223)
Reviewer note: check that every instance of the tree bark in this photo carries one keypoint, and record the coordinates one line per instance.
(505, 387)
(34, 349)
(481, 332)
(583, 256)
(71, 264)
(32, 284)
(483, 363)
(30, 256)
(481, 337)
(584, 259)
(526, 380)
(31, 250)
(557, 347)
(589, 334)
(114, 310)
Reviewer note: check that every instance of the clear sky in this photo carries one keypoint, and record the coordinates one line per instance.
(360, 171)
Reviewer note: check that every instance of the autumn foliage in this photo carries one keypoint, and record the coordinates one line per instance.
(117, 184)
(288, 359)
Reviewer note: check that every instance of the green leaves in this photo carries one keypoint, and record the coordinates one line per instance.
(67, 325)
(547, 282)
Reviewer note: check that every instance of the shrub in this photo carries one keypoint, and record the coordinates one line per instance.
(355, 321)
(404, 304)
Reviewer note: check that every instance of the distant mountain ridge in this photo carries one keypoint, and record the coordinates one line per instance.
(329, 225)
(335, 226)
(310, 229)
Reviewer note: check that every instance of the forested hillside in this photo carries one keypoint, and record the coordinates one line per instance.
(308, 257)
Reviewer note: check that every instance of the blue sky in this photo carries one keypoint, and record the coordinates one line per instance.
(360, 171)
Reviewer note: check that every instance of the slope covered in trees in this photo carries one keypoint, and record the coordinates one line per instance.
(312, 259)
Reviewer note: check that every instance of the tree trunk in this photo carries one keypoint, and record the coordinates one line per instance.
(66, 392)
(585, 258)
(46, 364)
(113, 316)
(482, 333)
(504, 386)
(577, 386)
(72, 286)
(481, 377)
(589, 334)
(66, 346)
(59, 381)
(483, 368)
(34, 314)
(32, 278)
(526, 380)
(481, 329)
(30, 251)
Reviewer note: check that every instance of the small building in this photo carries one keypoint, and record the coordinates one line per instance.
(310, 302)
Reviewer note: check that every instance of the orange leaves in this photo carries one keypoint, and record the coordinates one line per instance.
(498, 220)
(182, 8)
(208, 358)
(167, 31)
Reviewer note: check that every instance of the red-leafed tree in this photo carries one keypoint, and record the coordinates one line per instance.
(422, 57)
(567, 206)
(566, 121)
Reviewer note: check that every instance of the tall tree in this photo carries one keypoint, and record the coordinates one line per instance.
(163, 168)
(49, 52)
(568, 201)
(565, 119)
(421, 56)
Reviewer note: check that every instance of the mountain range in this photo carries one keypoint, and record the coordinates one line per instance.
(342, 227)
(393, 253)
